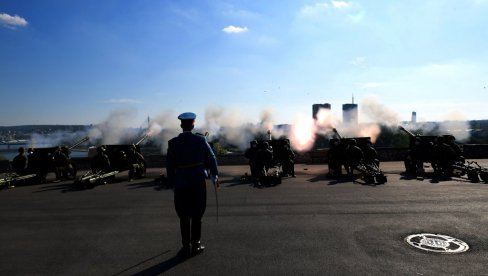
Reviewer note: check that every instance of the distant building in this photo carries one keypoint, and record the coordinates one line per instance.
(414, 117)
(317, 107)
(350, 114)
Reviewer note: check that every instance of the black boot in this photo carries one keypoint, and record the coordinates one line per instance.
(185, 236)
(196, 231)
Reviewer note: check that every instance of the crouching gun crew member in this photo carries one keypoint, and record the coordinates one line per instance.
(189, 160)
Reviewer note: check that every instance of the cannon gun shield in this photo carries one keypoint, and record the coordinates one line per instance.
(53, 159)
(368, 165)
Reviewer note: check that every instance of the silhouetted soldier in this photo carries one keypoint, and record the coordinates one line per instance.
(61, 163)
(20, 161)
(100, 162)
(188, 161)
(136, 163)
(335, 157)
(288, 160)
(444, 157)
(255, 164)
(31, 161)
(353, 155)
(370, 154)
(418, 153)
(458, 152)
(266, 156)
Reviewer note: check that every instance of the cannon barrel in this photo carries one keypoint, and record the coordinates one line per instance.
(336, 133)
(406, 131)
(81, 141)
(142, 139)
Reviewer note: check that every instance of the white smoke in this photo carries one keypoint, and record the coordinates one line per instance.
(162, 128)
(53, 139)
(378, 113)
(456, 124)
(229, 127)
(115, 129)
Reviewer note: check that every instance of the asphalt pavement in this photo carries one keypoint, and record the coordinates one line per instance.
(308, 225)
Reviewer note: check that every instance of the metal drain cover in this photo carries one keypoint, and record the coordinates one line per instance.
(437, 243)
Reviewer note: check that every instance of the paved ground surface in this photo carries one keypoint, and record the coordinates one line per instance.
(308, 225)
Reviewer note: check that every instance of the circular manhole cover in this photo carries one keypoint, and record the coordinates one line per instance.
(437, 243)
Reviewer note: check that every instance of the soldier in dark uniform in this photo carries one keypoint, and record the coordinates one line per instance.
(266, 156)
(444, 157)
(31, 161)
(335, 158)
(136, 163)
(354, 155)
(417, 155)
(450, 140)
(100, 162)
(370, 154)
(19, 163)
(288, 160)
(61, 163)
(188, 162)
(255, 166)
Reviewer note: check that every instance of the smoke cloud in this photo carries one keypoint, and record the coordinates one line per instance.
(456, 124)
(378, 113)
(115, 130)
(230, 128)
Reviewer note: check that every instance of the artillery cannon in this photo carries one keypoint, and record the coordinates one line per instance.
(267, 160)
(367, 166)
(472, 170)
(421, 150)
(442, 156)
(45, 160)
(119, 162)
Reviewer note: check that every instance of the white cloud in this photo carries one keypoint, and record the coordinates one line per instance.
(12, 21)
(341, 4)
(333, 9)
(314, 10)
(234, 30)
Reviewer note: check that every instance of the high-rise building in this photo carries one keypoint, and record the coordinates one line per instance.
(317, 107)
(350, 114)
(414, 117)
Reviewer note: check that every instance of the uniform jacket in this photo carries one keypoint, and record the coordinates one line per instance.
(188, 159)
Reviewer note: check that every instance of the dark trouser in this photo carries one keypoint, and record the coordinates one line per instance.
(289, 167)
(190, 206)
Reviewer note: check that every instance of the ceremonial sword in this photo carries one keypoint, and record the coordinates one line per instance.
(215, 184)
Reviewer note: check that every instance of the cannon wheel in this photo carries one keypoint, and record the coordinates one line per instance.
(473, 177)
(381, 179)
(368, 178)
(484, 176)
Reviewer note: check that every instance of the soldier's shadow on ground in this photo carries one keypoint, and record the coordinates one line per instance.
(336, 181)
(148, 183)
(332, 180)
(318, 178)
(158, 268)
(430, 177)
(235, 181)
(62, 187)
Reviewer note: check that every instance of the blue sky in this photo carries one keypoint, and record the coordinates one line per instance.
(77, 62)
